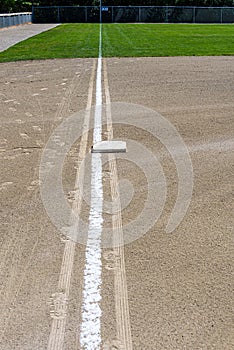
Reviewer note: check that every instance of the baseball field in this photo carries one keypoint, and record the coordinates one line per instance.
(141, 255)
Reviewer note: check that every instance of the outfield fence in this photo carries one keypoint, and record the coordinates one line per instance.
(14, 19)
(132, 14)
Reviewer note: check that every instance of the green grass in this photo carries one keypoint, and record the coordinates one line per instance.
(139, 40)
(125, 40)
(65, 41)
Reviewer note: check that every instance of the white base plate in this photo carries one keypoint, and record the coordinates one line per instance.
(109, 147)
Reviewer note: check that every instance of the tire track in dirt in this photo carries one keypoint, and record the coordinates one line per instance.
(59, 300)
(12, 249)
(123, 326)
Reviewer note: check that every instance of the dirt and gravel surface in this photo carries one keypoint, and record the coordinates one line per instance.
(13, 35)
(180, 285)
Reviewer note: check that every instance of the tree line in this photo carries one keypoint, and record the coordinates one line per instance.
(7, 6)
(136, 2)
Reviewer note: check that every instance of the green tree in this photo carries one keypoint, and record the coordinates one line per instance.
(24, 5)
(8, 6)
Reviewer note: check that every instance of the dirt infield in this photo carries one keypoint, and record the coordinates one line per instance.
(179, 285)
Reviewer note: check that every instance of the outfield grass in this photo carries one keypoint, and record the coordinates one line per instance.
(65, 41)
(125, 40)
(139, 40)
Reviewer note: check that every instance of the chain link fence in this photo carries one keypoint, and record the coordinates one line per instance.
(133, 14)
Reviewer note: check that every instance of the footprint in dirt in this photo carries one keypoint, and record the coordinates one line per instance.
(24, 136)
(5, 185)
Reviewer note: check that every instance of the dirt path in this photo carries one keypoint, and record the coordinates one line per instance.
(163, 291)
(13, 35)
